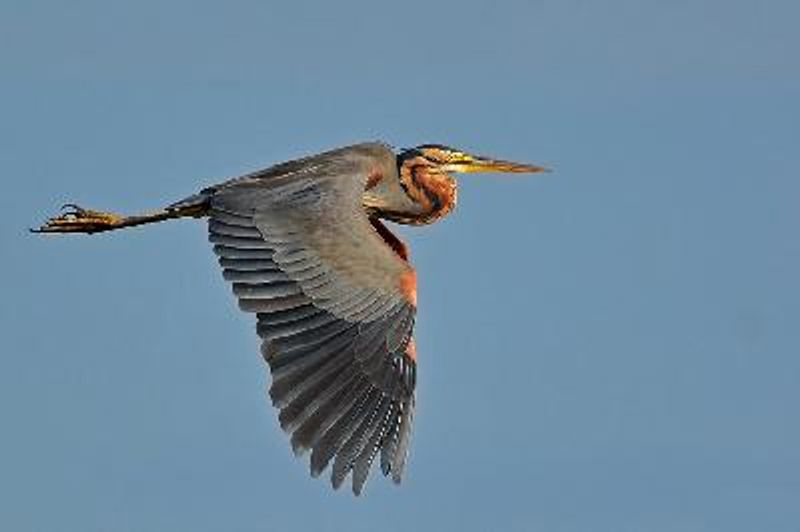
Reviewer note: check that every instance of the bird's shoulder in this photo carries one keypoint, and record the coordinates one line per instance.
(356, 160)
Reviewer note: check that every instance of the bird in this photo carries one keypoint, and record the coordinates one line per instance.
(306, 248)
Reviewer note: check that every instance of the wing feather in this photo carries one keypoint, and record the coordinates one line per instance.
(277, 304)
(318, 414)
(237, 242)
(364, 461)
(248, 265)
(233, 252)
(346, 457)
(330, 442)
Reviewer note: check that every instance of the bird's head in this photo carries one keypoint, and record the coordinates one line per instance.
(451, 160)
(424, 173)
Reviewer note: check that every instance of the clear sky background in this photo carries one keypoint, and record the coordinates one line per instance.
(612, 347)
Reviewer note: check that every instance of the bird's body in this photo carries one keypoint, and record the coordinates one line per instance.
(332, 287)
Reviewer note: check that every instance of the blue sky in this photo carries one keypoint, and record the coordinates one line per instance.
(611, 347)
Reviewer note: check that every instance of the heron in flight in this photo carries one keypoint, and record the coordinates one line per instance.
(305, 248)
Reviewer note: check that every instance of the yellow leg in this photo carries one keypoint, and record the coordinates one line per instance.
(76, 219)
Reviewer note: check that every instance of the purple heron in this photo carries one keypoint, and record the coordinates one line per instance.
(334, 293)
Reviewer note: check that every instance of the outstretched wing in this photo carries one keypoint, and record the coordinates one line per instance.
(335, 305)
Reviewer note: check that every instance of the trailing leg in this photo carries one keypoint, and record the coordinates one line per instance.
(76, 219)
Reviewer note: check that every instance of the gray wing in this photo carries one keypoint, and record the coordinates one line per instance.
(335, 307)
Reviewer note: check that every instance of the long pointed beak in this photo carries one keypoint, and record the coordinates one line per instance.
(485, 164)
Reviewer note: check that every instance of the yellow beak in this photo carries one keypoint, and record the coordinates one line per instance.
(476, 164)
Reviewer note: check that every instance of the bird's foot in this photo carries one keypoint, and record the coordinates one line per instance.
(75, 219)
